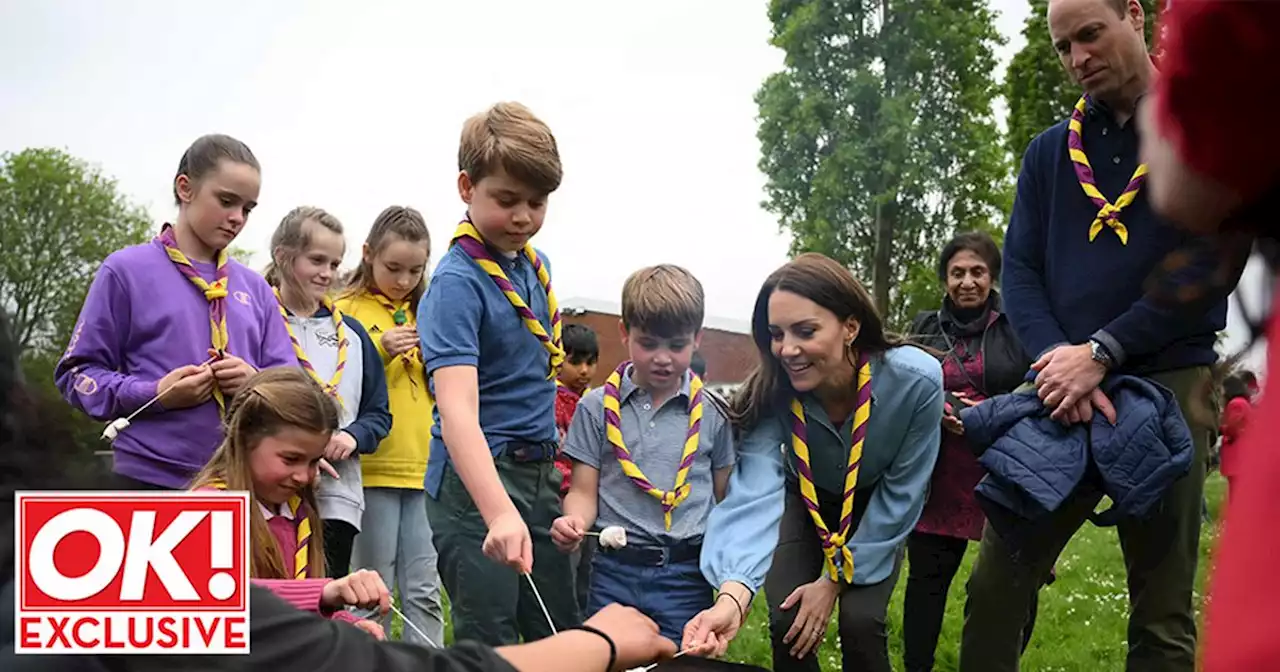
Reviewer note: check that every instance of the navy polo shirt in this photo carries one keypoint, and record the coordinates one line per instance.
(1059, 287)
(465, 320)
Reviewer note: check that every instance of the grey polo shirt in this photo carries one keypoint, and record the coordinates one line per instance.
(655, 437)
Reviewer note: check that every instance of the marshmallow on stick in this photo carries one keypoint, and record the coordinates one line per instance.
(120, 424)
(613, 536)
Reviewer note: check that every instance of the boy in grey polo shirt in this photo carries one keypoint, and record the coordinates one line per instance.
(651, 448)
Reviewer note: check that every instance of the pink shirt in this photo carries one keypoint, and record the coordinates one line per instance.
(304, 594)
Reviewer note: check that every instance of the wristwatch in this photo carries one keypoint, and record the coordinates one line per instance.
(1100, 354)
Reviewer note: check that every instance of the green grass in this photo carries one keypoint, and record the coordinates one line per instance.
(1081, 625)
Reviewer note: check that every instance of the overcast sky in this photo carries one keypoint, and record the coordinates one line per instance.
(356, 106)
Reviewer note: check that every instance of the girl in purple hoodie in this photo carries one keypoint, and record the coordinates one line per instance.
(176, 318)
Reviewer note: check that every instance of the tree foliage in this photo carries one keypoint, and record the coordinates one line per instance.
(59, 218)
(1036, 86)
(878, 139)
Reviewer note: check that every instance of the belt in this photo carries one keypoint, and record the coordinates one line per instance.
(530, 452)
(656, 556)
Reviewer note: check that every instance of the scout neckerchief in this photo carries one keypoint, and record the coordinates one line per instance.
(215, 294)
(300, 560)
(400, 314)
(838, 542)
(473, 244)
(330, 387)
(670, 499)
(1108, 214)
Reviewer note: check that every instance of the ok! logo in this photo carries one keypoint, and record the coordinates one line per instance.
(130, 572)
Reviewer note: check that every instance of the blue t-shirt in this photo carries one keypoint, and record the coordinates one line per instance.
(465, 320)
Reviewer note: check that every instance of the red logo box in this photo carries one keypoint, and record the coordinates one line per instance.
(132, 572)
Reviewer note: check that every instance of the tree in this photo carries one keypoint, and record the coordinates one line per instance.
(877, 137)
(1036, 87)
(59, 218)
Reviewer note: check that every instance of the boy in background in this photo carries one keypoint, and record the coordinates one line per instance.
(491, 346)
(582, 354)
(651, 427)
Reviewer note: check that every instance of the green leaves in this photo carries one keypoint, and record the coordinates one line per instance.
(59, 217)
(883, 114)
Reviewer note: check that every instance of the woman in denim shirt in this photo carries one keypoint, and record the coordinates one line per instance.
(829, 373)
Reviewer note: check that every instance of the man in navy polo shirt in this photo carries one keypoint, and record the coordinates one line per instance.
(1080, 246)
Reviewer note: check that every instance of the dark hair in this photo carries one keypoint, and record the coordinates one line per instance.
(698, 364)
(401, 221)
(580, 342)
(1234, 386)
(202, 158)
(828, 284)
(37, 448)
(1248, 377)
(978, 242)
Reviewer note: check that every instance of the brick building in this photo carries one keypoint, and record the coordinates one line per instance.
(726, 344)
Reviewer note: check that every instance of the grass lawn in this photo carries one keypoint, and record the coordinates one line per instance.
(1081, 626)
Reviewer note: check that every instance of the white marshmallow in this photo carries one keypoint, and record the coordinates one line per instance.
(613, 537)
(113, 430)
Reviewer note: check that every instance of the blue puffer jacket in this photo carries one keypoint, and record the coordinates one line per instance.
(1034, 463)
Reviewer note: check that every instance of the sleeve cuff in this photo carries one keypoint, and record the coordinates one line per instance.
(442, 361)
(1112, 346)
(140, 392)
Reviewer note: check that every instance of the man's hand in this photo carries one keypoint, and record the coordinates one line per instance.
(1066, 376)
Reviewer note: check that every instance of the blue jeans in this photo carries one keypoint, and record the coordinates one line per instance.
(670, 594)
(395, 542)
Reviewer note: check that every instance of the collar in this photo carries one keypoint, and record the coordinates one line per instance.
(627, 387)
(990, 313)
(1094, 108)
(268, 514)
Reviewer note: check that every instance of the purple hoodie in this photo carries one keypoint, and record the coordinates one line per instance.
(141, 320)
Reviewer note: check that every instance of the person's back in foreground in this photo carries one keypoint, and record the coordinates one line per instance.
(652, 454)
(491, 347)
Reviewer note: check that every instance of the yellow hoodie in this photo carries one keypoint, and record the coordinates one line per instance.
(401, 459)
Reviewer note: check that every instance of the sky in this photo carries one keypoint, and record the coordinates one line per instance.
(356, 106)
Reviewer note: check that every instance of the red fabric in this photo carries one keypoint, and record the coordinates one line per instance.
(566, 404)
(1235, 417)
(1217, 89)
(1244, 604)
(951, 509)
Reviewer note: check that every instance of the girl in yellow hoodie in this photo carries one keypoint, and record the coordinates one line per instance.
(395, 538)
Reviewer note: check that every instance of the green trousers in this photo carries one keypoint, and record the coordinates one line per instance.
(491, 603)
(1160, 555)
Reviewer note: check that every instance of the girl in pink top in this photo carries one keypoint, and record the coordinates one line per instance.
(277, 428)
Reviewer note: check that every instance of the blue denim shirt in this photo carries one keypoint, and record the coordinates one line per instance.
(901, 447)
(465, 320)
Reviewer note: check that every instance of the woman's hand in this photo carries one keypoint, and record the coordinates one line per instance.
(362, 588)
(815, 601)
(709, 633)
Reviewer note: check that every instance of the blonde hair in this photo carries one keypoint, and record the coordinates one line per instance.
(401, 221)
(273, 400)
(291, 239)
(664, 300)
(509, 137)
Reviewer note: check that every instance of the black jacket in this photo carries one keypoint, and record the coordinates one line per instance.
(1005, 363)
(282, 639)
